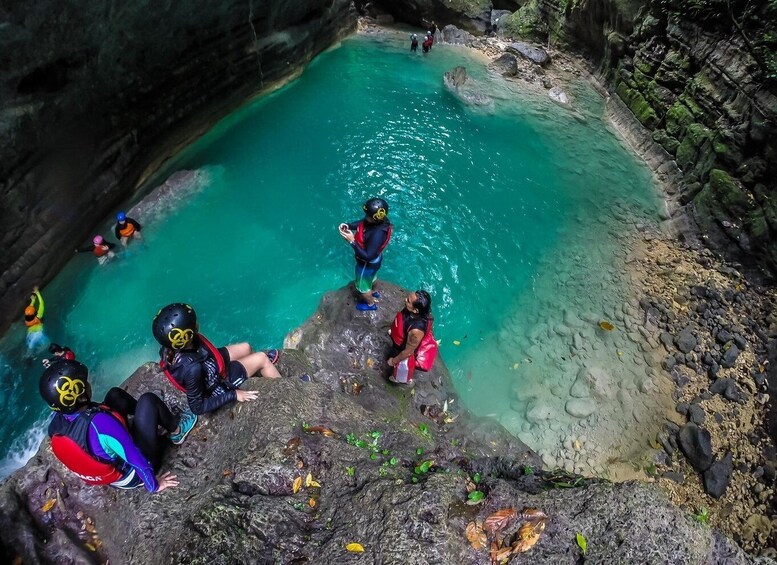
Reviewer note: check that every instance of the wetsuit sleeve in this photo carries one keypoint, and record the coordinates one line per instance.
(116, 232)
(199, 401)
(115, 442)
(135, 223)
(353, 225)
(41, 308)
(373, 242)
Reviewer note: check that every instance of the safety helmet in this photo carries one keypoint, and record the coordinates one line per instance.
(175, 325)
(29, 311)
(98, 240)
(64, 386)
(376, 208)
(121, 217)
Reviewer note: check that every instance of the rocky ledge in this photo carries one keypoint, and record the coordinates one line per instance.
(309, 468)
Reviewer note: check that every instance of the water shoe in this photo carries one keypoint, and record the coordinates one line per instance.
(273, 355)
(364, 307)
(186, 425)
(376, 294)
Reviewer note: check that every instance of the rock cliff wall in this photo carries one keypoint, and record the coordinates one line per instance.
(392, 469)
(95, 94)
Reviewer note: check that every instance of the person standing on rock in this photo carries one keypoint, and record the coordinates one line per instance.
(98, 442)
(126, 229)
(211, 377)
(413, 43)
(372, 235)
(414, 344)
(33, 319)
(102, 249)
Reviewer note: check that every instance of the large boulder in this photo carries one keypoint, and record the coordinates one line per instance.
(393, 469)
(718, 476)
(534, 54)
(696, 444)
(506, 65)
(455, 36)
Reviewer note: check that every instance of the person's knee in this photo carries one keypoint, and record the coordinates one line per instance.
(146, 404)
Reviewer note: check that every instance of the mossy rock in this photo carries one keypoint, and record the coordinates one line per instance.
(666, 141)
(678, 117)
(727, 196)
(526, 22)
(638, 105)
(471, 8)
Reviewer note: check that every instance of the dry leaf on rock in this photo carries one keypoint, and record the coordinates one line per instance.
(355, 548)
(476, 536)
(296, 485)
(528, 535)
(311, 482)
(606, 326)
(531, 514)
(49, 504)
(499, 519)
(291, 446)
(312, 502)
(321, 430)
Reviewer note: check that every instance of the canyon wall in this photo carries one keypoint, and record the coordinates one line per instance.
(95, 95)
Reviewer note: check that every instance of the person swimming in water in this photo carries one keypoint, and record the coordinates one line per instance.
(98, 442)
(58, 352)
(413, 43)
(126, 229)
(102, 249)
(33, 319)
(211, 377)
(373, 234)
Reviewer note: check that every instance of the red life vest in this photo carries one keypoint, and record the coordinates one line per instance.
(426, 352)
(359, 236)
(70, 444)
(210, 349)
(100, 250)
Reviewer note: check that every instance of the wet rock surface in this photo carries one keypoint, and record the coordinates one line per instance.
(362, 440)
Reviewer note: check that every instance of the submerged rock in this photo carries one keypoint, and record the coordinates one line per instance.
(558, 95)
(464, 88)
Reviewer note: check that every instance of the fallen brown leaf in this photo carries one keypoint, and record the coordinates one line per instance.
(296, 485)
(531, 514)
(312, 502)
(291, 446)
(226, 473)
(356, 389)
(321, 430)
(49, 504)
(494, 551)
(476, 536)
(529, 534)
(470, 486)
(499, 519)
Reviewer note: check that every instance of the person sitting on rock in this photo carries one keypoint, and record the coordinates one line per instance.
(126, 229)
(58, 353)
(373, 234)
(413, 43)
(100, 248)
(98, 442)
(33, 319)
(210, 377)
(411, 334)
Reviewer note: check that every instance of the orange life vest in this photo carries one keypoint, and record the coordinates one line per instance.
(127, 230)
(34, 322)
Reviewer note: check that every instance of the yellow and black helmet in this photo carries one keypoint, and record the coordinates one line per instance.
(175, 326)
(64, 386)
(376, 208)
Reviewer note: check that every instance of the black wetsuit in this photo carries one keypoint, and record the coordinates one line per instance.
(374, 237)
(414, 45)
(197, 371)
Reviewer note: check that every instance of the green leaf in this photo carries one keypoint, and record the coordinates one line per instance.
(476, 496)
(361, 443)
(393, 461)
(376, 434)
(476, 478)
(350, 471)
(419, 451)
(424, 428)
(305, 426)
(385, 452)
(382, 472)
(373, 456)
(527, 470)
(582, 543)
(413, 479)
(351, 438)
(425, 466)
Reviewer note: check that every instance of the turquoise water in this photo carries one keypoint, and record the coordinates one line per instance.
(508, 215)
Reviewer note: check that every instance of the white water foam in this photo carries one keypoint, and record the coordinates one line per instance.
(23, 448)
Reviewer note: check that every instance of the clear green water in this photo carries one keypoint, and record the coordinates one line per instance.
(509, 216)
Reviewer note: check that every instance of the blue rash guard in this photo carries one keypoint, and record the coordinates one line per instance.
(110, 441)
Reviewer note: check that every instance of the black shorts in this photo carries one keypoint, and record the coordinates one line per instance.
(236, 373)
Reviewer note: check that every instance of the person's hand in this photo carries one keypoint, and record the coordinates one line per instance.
(168, 480)
(35, 288)
(391, 361)
(246, 395)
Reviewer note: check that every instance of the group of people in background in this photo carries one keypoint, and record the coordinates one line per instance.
(125, 230)
(428, 40)
(120, 441)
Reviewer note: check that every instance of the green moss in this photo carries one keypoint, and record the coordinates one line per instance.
(471, 8)
(666, 141)
(526, 22)
(637, 104)
(728, 194)
(678, 117)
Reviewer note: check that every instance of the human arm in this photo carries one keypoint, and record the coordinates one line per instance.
(85, 248)
(36, 301)
(114, 441)
(414, 338)
(199, 400)
(374, 240)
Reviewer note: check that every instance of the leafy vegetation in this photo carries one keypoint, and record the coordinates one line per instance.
(702, 516)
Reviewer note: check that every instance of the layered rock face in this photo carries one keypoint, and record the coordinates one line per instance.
(390, 468)
(94, 95)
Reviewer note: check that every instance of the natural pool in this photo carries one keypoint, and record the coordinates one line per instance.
(514, 218)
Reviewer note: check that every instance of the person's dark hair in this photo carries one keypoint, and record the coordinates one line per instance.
(423, 303)
(56, 348)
